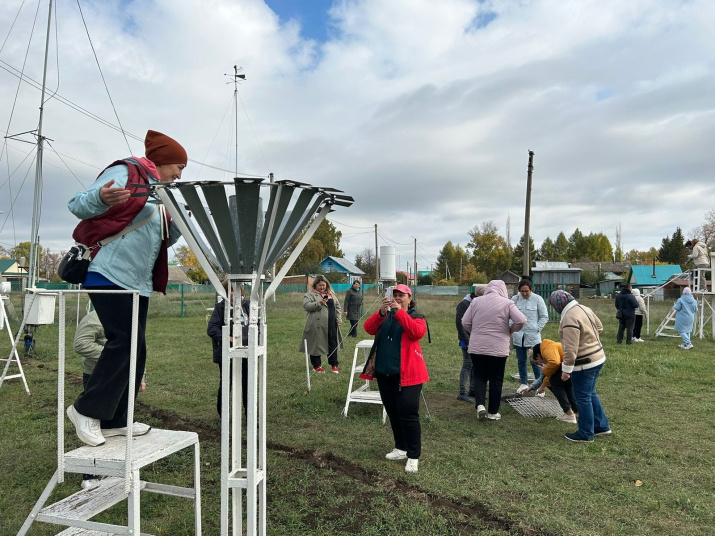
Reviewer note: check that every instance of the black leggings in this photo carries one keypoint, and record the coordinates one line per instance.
(402, 405)
(488, 368)
(106, 394)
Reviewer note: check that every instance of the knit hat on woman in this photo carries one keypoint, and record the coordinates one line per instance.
(559, 299)
(163, 150)
(687, 290)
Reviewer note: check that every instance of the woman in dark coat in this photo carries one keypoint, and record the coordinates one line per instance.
(215, 329)
(353, 303)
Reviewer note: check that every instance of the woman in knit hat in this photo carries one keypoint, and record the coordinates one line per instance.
(583, 360)
(136, 261)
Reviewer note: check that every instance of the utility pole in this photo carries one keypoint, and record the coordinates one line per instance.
(527, 242)
(415, 267)
(377, 264)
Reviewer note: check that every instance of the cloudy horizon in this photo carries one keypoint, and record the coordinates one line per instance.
(423, 111)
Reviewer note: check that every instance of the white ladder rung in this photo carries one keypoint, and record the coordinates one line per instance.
(75, 531)
(86, 503)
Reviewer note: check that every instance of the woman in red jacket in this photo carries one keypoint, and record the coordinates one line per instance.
(397, 363)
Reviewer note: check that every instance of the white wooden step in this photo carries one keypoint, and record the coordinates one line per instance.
(86, 503)
(108, 459)
(73, 531)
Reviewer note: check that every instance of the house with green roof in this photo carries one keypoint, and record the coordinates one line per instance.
(652, 275)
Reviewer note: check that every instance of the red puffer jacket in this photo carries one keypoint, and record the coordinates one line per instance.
(413, 370)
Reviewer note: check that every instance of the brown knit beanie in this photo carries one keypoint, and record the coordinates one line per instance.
(162, 150)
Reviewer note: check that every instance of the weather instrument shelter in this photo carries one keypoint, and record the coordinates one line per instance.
(230, 233)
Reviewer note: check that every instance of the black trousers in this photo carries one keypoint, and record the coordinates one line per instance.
(637, 327)
(353, 327)
(563, 391)
(402, 405)
(244, 385)
(106, 395)
(626, 324)
(488, 368)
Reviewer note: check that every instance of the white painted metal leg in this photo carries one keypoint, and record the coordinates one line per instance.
(133, 504)
(197, 490)
(307, 363)
(49, 488)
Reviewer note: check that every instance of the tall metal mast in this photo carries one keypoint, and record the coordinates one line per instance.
(236, 78)
(37, 200)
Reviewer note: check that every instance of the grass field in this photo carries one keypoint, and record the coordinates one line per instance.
(327, 474)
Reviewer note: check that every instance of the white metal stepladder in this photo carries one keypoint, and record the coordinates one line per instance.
(236, 237)
(362, 394)
(119, 461)
(13, 358)
(706, 303)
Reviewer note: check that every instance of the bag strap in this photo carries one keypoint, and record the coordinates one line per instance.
(126, 230)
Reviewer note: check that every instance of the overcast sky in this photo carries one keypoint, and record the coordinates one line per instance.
(423, 111)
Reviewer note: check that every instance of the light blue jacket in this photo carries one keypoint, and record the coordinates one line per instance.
(537, 316)
(127, 261)
(686, 307)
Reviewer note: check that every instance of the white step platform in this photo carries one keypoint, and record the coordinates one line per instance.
(107, 461)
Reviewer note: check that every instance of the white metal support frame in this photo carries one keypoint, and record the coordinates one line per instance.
(119, 460)
(13, 357)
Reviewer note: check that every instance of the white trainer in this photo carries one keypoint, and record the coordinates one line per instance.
(688, 347)
(523, 388)
(481, 413)
(88, 429)
(567, 418)
(90, 483)
(412, 466)
(396, 454)
(138, 429)
(494, 416)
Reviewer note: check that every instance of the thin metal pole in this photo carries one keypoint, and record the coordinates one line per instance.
(530, 170)
(377, 264)
(37, 202)
(414, 264)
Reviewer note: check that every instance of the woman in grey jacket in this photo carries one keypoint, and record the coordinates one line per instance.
(534, 309)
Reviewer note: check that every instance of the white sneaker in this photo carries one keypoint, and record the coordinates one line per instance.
(494, 416)
(542, 394)
(688, 347)
(411, 466)
(567, 418)
(396, 454)
(481, 413)
(88, 429)
(90, 483)
(138, 429)
(681, 346)
(638, 340)
(523, 388)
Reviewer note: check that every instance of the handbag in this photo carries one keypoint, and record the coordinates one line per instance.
(75, 263)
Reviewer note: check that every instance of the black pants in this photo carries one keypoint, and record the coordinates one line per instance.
(353, 327)
(402, 405)
(244, 385)
(563, 391)
(637, 327)
(488, 368)
(626, 324)
(106, 394)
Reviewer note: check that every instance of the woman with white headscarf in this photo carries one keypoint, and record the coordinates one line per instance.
(686, 307)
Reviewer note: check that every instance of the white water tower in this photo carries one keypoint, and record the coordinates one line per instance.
(388, 271)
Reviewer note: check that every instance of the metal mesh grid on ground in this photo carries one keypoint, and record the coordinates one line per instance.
(534, 406)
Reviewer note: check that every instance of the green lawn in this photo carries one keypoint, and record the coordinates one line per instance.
(327, 474)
